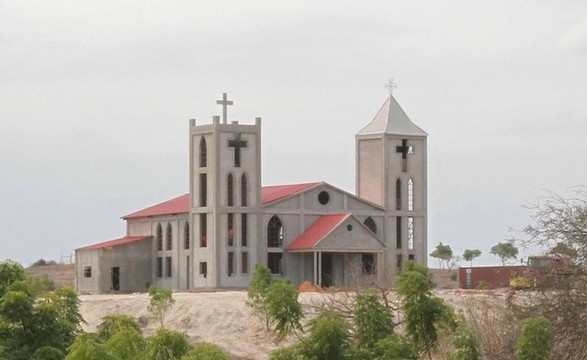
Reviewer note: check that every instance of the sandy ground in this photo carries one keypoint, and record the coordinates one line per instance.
(223, 318)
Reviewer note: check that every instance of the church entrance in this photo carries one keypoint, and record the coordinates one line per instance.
(327, 269)
(116, 278)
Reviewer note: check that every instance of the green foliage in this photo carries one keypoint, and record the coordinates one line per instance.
(424, 313)
(483, 285)
(257, 292)
(167, 345)
(127, 344)
(160, 301)
(283, 308)
(48, 353)
(372, 320)
(471, 254)
(443, 253)
(287, 353)
(206, 351)
(329, 338)
(10, 272)
(43, 262)
(535, 339)
(466, 344)
(111, 324)
(395, 347)
(88, 347)
(521, 282)
(564, 249)
(505, 251)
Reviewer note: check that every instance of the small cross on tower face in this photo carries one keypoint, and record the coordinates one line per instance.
(405, 149)
(237, 144)
(390, 85)
(224, 102)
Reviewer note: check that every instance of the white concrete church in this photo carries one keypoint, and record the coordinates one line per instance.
(213, 236)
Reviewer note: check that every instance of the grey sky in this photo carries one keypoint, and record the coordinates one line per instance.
(95, 99)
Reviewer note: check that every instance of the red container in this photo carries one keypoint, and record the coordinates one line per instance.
(494, 276)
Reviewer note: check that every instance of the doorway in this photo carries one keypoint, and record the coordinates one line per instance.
(116, 278)
(326, 269)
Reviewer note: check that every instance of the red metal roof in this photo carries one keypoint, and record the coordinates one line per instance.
(115, 242)
(316, 232)
(178, 205)
(181, 204)
(276, 192)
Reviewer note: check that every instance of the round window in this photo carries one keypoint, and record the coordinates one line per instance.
(323, 197)
(349, 227)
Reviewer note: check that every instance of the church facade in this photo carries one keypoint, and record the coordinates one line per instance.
(213, 236)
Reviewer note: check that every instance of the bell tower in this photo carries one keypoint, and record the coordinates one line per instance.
(225, 183)
(391, 168)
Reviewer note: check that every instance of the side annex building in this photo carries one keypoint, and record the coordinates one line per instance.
(213, 236)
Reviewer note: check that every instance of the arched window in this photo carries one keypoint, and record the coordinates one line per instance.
(203, 153)
(168, 238)
(186, 235)
(244, 191)
(398, 194)
(274, 232)
(410, 195)
(370, 224)
(229, 191)
(159, 238)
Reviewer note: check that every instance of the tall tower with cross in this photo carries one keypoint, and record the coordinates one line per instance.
(225, 183)
(391, 171)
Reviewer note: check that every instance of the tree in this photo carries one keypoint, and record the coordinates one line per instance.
(10, 272)
(471, 254)
(206, 351)
(534, 340)
(505, 251)
(167, 345)
(466, 344)
(257, 292)
(160, 301)
(283, 308)
(114, 323)
(372, 320)
(443, 253)
(329, 338)
(563, 249)
(424, 314)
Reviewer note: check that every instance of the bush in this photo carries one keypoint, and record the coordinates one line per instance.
(521, 282)
(206, 351)
(483, 285)
(535, 339)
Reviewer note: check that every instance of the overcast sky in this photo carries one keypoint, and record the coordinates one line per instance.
(95, 98)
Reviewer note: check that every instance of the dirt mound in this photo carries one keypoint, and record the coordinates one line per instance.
(307, 286)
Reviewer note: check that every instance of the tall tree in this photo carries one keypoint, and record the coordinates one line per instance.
(372, 320)
(160, 301)
(505, 251)
(443, 253)
(470, 254)
(424, 314)
(257, 292)
(283, 308)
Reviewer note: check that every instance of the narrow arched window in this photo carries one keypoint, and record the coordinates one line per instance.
(410, 195)
(370, 224)
(203, 153)
(275, 232)
(186, 235)
(229, 191)
(168, 238)
(244, 190)
(398, 194)
(159, 237)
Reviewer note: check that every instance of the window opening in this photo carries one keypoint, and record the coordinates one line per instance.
(237, 144)
(186, 236)
(411, 233)
(159, 270)
(398, 232)
(274, 232)
(230, 264)
(398, 194)
(274, 262)
(244, 190)
(411, 257)
(204, 268)
(203, 230)
(370, 224)
(244, 262)
(368, 262)
(399, 261)
(87, 271)
(203, 153)
(404, 149)
(244, 230)
(168, 266)
(168, 238)
(230, 229)
(410, 195)
(323, 197)
(203, 190)
(229, 191)
(159, 238)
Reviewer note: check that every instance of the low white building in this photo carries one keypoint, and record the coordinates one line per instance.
(213, 236)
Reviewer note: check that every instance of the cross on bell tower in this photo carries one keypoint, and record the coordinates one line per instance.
(404, 149)
(224, 102)
(237, 144)
(391, 86)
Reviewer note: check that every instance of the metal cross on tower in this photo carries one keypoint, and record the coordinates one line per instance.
(224, 102)
(390, 85)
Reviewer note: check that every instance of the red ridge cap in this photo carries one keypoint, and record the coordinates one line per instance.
(115, 242)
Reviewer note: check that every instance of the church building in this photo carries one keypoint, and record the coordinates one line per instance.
(213, 236)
